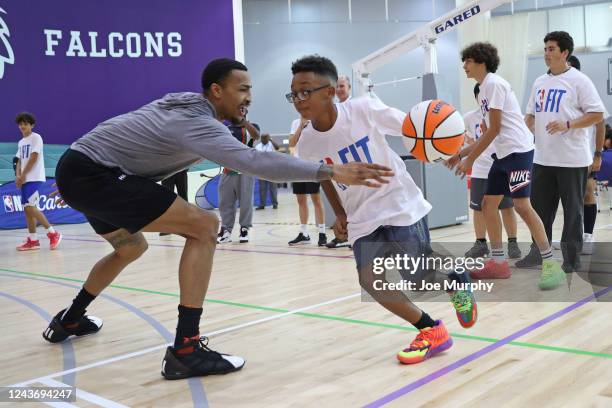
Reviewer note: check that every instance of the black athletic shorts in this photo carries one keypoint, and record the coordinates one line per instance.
(305, 188)
(109, 198)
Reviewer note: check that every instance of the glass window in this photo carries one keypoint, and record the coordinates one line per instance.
(538, 28)
(570, 19)
(599, 27)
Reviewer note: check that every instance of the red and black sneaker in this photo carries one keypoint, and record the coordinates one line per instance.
(58, 331)
(195, 359)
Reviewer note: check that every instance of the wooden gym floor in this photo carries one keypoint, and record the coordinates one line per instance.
(296, 316)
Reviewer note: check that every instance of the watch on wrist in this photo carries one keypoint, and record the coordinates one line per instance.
(597, 153)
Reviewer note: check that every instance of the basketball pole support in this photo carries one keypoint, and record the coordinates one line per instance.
(424, 37)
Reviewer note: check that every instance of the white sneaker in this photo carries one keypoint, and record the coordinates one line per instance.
(588, 244)
(556, 244)
(224, 236)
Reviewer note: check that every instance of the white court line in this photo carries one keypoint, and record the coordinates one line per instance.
(162, 346)
(84, 395)
(59, 404)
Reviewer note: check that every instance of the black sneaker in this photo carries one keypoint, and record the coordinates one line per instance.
(275, 207)
(260, 207)
(478, 250)
(322, 239)
(301, 239)
(532, 259)
(58, 331)
(199, 362)
(244, 235)
(569, 267)
(338, 243)
(514, 252)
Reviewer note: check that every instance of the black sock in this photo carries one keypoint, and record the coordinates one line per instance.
(424, 321)
(188, 323)
(511, 239)
(481, 240)
(79, 304)
(590, 214)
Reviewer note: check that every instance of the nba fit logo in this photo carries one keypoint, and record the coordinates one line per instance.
(549, 100)
(6, 51)
(484, 106)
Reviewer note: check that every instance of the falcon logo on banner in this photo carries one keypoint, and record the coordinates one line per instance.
(6, 52)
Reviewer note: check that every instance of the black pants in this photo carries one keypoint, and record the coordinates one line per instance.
(180, 181)
(568, 184)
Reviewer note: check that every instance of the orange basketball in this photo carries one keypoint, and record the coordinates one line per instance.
(433, 131)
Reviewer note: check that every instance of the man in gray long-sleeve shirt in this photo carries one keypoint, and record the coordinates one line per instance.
(110, 175)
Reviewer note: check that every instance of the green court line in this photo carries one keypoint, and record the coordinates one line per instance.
(330, 317)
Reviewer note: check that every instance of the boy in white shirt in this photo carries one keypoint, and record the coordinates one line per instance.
(381, 222)
(29, 178)
(510, 174)
(562, 107)
(301, 191)
(480, 173)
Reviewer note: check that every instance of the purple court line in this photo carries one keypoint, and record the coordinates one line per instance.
(457, 364)
(230, 250)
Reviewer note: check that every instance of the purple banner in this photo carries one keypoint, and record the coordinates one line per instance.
(76, 63)
(11, 210)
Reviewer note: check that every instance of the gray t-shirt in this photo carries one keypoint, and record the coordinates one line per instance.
(170, 134)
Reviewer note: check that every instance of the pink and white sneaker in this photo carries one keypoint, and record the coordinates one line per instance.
(29, 245)
(54, 239)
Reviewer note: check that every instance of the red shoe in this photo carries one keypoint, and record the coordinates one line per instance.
(29, 245)
(429, 342)
(492, 270)
(54, 239)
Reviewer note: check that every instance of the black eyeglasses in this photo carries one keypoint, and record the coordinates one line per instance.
(304, 95)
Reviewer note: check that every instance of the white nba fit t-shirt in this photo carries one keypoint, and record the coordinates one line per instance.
(514, 136)
(25, 148)
(359, 135)
(483, 163)
(563, 97)
(592, 132)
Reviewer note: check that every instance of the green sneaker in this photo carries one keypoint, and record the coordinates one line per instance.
(552, 275)
(465, 307)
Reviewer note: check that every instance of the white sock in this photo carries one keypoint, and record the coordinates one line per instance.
(304, 229)
(321, 228)
(33, 236)
(51, 230)
(498, 255)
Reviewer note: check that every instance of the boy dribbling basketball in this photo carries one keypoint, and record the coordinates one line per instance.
(382, 222)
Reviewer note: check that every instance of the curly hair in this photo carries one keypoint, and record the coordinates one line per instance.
(482, 53)
(26, 117)
(317, 64)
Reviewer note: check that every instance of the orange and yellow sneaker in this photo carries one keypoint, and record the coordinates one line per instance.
(492, 270)
(429, 342)
(29, 244)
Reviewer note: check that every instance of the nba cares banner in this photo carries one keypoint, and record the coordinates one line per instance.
(11, 210)
(76, 63)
